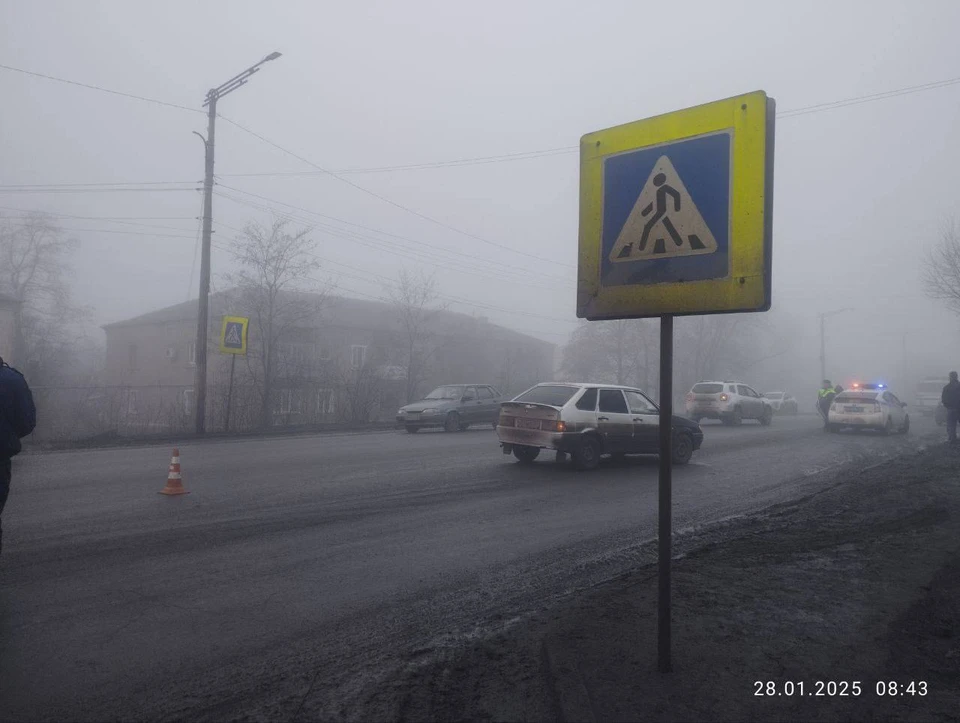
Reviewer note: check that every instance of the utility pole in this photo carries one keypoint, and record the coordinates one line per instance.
(203, 307)
(823, 340)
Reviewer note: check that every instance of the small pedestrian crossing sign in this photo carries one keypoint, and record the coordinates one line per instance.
(664, 221)
(233, 335)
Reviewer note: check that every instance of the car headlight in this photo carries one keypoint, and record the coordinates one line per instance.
(429, 411)
(401, 411)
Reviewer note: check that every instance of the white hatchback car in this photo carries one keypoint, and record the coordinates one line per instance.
(868, 406)
(730, 402)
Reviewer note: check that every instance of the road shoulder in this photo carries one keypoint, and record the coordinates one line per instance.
(857, 582)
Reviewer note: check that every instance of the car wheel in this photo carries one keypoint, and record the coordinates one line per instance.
(452, 422)
(888, 427)
(906, 425)
(524, 454)
(411, 429)
(464, 427)
(736, 419)
(767, 417)
(587, 453)
(682, 449)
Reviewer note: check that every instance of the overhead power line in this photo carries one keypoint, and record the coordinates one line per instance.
(391, 202)
(858, 100)
(92, 190)
(380, 246)
(101, 89)
(432, 247)
(479, 160)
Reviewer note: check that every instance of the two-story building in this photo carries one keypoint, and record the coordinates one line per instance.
(343, 362)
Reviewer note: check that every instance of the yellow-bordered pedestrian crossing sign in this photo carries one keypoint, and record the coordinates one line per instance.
(676, 213)
(233, 335)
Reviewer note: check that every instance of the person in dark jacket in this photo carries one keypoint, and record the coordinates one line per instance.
(950, 398)
(18, 417)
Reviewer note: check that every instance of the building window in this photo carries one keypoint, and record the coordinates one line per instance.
(289, 401)
(296, 357)
(192, 353)
(132, 356)
(324, 402)
(187, 398)
(358, 356)
(132, 400)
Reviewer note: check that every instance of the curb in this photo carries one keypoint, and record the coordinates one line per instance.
(191, 438)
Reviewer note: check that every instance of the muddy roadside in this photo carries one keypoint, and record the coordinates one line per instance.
(858, 583)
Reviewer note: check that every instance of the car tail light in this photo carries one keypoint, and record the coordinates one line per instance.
(691, 396)
(506, 420)
(724, 397)
(561, 426)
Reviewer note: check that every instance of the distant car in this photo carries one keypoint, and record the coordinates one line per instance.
(587, 421)
(926, 395)
(730, 402)
(868, 406)
(782, 402)
(453, 407)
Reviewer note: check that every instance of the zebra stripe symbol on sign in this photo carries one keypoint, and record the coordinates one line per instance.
(664, 221)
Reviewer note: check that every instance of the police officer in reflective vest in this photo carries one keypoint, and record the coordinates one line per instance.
(825, 395)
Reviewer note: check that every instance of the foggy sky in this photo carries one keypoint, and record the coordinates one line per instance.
(860, 191)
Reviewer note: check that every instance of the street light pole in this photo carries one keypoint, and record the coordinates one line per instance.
(203, 306)
(823, 341)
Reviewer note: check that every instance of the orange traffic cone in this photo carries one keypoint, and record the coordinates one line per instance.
(174, 482)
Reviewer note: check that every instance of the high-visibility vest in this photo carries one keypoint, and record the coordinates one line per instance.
(821, 393)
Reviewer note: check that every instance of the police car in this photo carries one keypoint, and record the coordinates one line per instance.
(868, 406)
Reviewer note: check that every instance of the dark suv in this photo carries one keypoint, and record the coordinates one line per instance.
(453, 407)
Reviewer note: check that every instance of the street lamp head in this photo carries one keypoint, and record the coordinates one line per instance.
(273, 56)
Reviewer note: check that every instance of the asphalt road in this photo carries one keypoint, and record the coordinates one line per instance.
(301, 570)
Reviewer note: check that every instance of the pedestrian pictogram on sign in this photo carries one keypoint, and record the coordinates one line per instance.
(664, 221)
(233, 335)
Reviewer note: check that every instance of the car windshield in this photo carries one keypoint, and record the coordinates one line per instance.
(447, 392)
(855, 398)
(554, 395)
(707, 388)
(774, 395)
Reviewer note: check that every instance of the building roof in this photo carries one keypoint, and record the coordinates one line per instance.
(336, 311)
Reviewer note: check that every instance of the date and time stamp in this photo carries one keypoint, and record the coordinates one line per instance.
(839, 688)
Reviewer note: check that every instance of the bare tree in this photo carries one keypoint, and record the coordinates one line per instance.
(620, 351)
(414, 302)
(358, 390)
(34, 269)
(940, 272)
(277, 284)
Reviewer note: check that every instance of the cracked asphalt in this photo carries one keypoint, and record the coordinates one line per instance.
(300, 572)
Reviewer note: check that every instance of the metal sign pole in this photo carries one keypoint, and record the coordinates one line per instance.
(233, 363)
(664, 543)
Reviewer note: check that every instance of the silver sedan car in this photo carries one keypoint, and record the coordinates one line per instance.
(587, 421)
